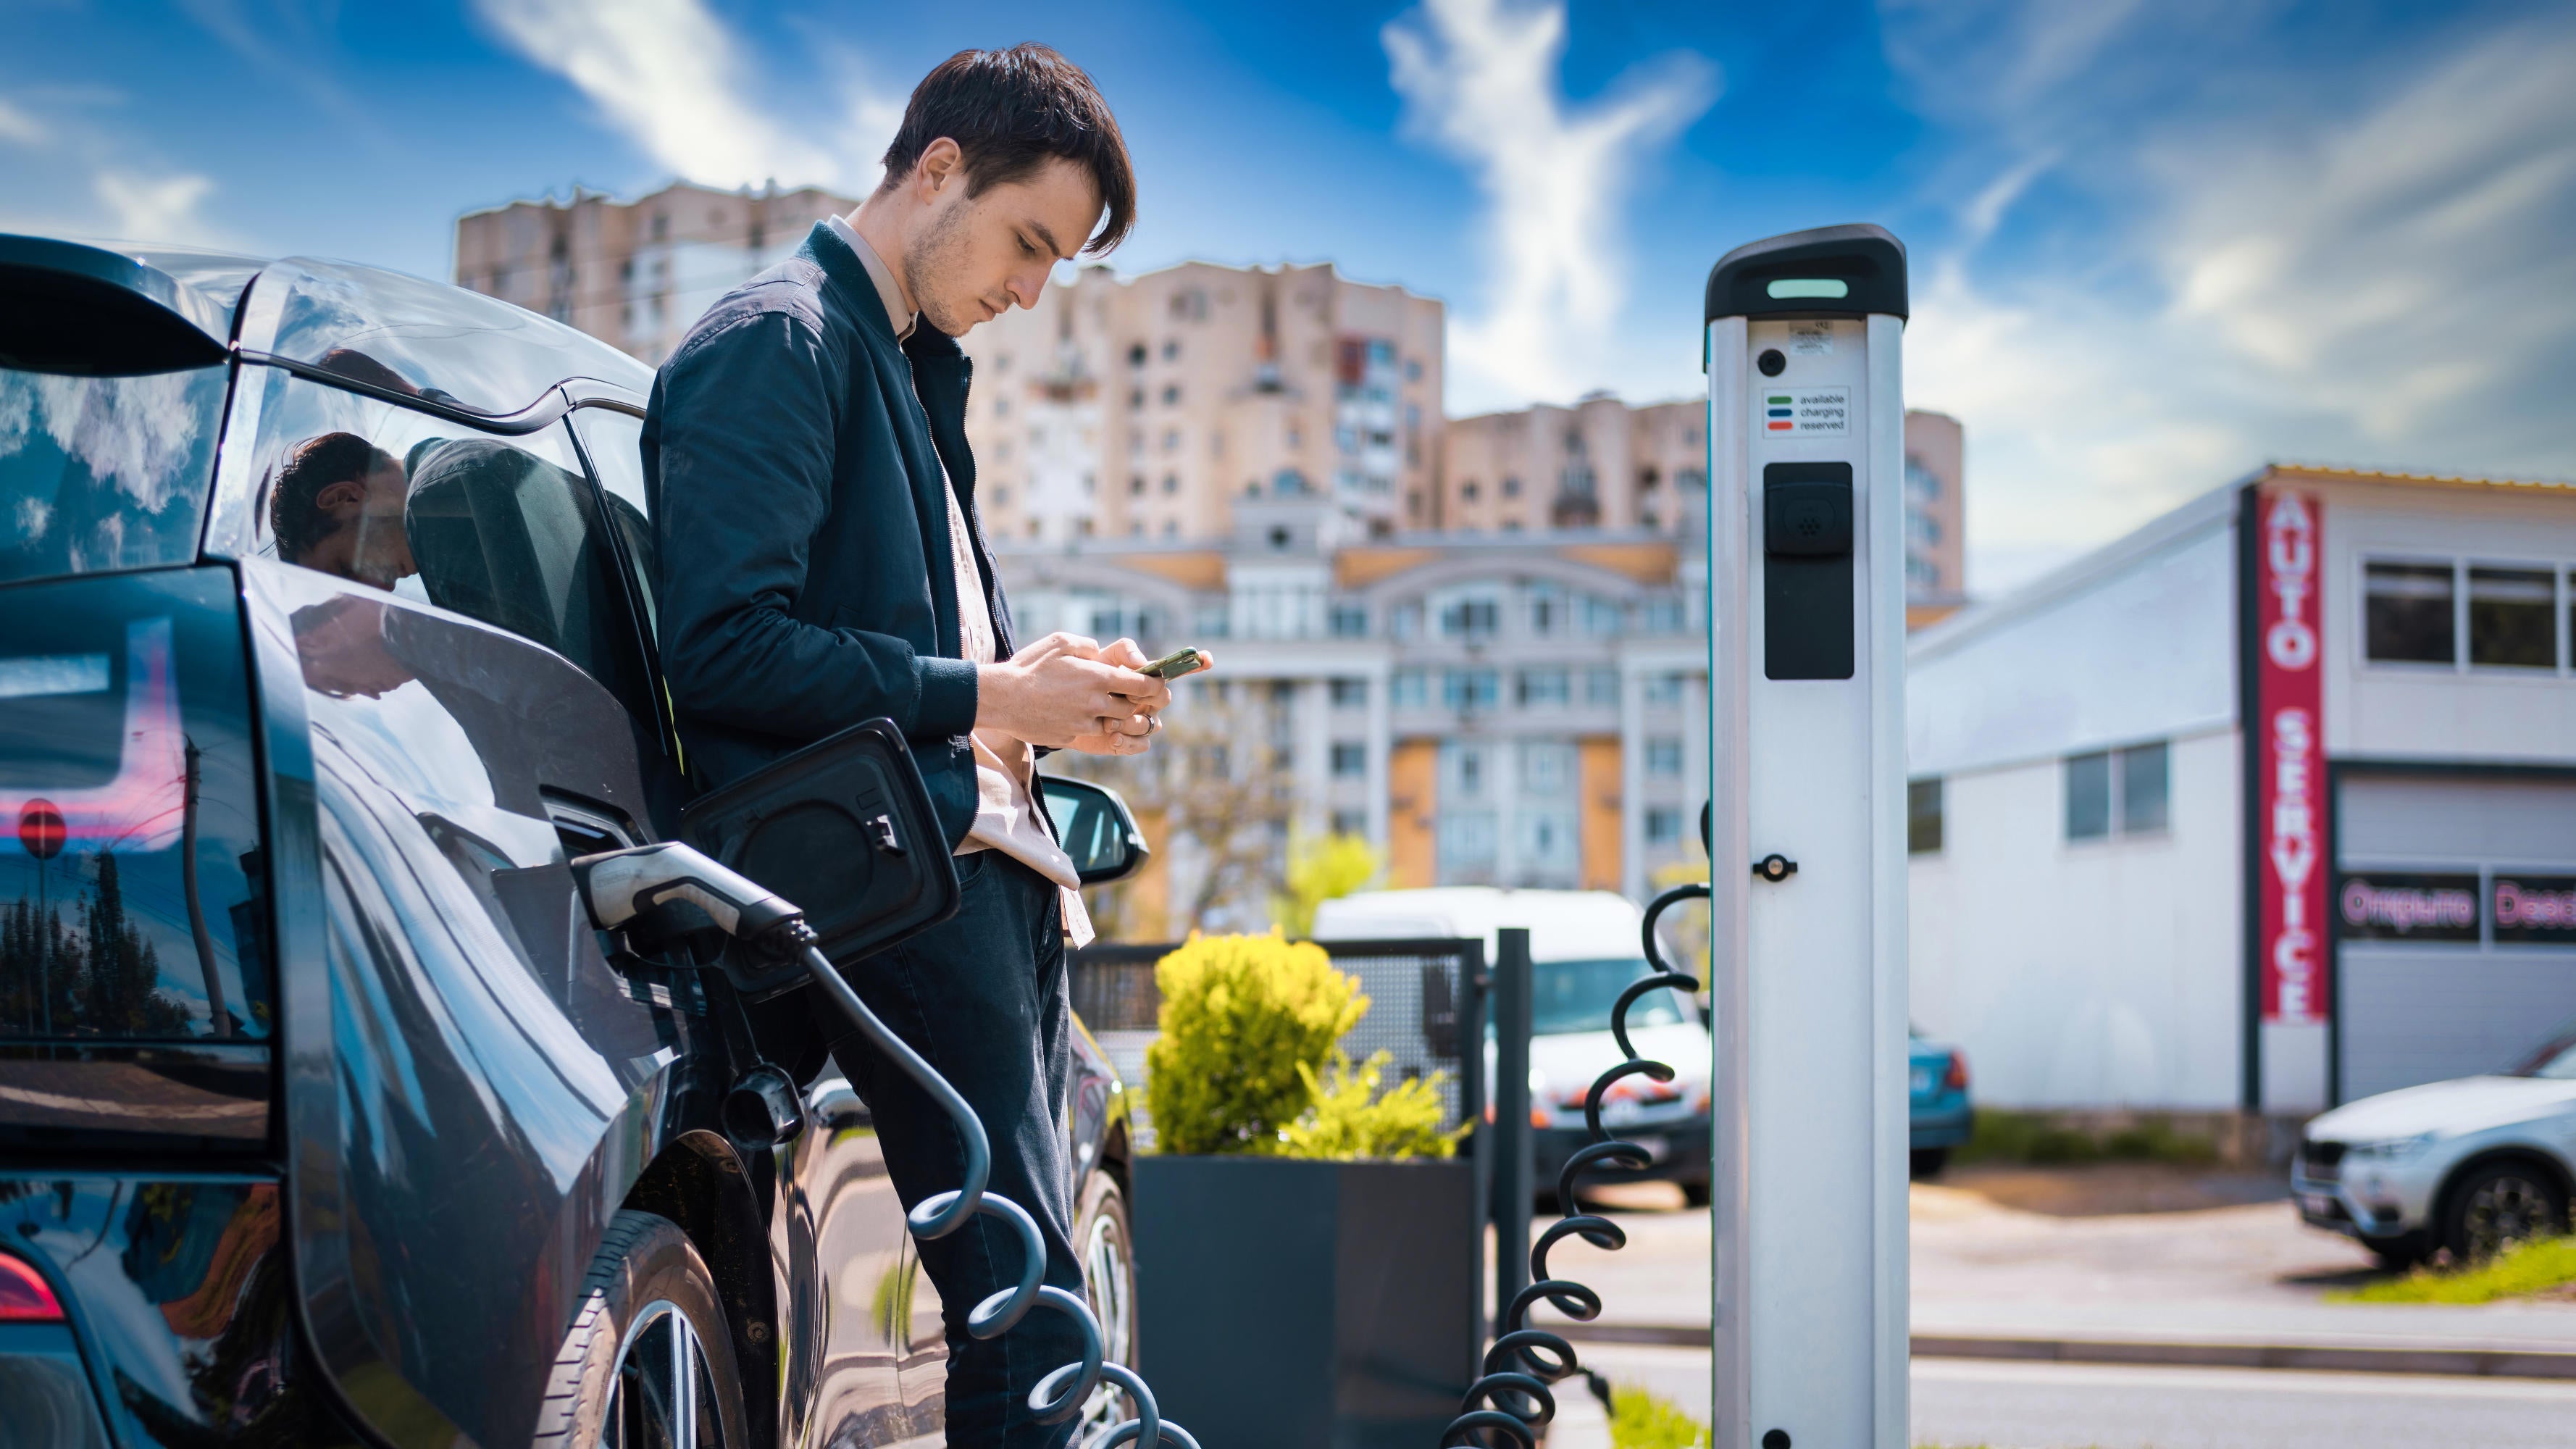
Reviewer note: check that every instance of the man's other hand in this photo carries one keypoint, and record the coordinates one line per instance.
(1066, 691)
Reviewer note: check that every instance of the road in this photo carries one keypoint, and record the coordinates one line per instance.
(2082, 1406)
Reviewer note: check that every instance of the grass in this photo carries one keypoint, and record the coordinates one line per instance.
(2031, 1138)
(1640, 1420)
(2529, 1268)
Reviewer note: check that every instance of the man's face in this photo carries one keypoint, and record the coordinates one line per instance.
(972, 257)
(368, 542)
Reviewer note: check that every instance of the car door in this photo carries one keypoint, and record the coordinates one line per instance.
(458, 653)
(838, 1242)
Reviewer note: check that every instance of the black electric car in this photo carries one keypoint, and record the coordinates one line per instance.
(326, 641)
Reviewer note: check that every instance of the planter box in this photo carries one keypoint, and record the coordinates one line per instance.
(1307, 1305)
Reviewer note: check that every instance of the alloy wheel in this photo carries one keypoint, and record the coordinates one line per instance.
(663, 1396)
(2507, 1210)
(1109, 1286)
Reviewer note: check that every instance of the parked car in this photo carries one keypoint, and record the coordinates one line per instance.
(325, 1117)
(1584, 950)
(2467, 1166)
(1936, 1099)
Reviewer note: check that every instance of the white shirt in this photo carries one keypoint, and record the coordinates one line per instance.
(1006, 817)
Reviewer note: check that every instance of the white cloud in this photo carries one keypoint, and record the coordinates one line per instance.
(20, 128)
(154, 208)
(669, 76)
(2366, 267)
(1481, 82)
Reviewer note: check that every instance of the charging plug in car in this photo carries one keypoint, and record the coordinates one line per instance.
(643, 892)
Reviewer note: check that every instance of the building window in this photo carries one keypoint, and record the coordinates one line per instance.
(1350, 758)
(1409, 689)
(1135, 399)
(1136, 355)
(1471, 690)
(1172, 441)
(1664, 756)
(2407, 613)
(1664, 691)
(1661, 616)
(1602, 616)
(1471, 618)
(1467, 490)
(1171, 350)
(1171, 483)
(1171, 396)
(1135, 484)
(1547, 766)
(1601, 686)
(1404, 621)
(1546, 610)
(1923, 816)
(1350, 693)
(2130, 788)
(1350, 621)
(1663, 826)
(1350, 822)
(1545, 687)
(1511, 486)
(2513, 618)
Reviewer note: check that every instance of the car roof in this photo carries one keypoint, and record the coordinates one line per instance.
(370, 325)
(1563, 925)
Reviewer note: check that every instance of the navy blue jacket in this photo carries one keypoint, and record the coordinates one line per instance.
(803, 574)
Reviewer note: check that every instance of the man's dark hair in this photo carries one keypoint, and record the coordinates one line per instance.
(316, 464)
(1010, 112)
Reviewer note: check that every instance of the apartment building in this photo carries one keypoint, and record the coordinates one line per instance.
(1151, 407)
(634, 274)
(1936, 525)
(1524, 710)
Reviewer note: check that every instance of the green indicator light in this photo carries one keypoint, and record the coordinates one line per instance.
(1810, 287)
(1780, 399)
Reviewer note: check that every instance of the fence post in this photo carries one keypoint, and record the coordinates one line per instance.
(1514, 1163)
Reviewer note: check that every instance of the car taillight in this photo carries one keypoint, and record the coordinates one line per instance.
(25, 1297)
(1956, 1079)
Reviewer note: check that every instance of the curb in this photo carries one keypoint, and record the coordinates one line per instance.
(2312, 1357)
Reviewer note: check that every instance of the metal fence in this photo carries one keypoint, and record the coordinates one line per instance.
(1426, 1011)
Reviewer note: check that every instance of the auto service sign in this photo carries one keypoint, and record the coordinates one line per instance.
(2290, 755)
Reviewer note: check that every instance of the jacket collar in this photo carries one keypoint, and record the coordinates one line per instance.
(849, 276)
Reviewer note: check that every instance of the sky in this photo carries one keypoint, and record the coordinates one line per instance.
(2152, 246)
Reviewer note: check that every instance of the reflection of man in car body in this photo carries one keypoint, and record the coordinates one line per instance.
(819, 564)
(337, 505)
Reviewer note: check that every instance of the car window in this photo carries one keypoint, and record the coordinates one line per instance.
(503, 529)
(1568, 996)
(2554, 1058)
(615, 442)
(101, 473)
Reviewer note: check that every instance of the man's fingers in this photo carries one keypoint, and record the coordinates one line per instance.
(1125, 654)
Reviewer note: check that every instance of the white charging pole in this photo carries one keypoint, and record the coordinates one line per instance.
(1806, 432)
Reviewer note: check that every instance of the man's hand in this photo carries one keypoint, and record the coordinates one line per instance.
(341, 644)
(1065, 691)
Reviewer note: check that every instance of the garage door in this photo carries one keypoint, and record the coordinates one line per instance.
(2435, 980)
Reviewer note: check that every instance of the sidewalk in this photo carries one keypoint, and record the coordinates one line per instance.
(2239, 1286)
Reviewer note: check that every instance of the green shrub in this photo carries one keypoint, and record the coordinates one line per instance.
(2031, 1138)
(1640, 1420)
(1246, 1023)
(1343, 1124)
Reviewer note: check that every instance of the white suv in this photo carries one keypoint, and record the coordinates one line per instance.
(2469, 1165)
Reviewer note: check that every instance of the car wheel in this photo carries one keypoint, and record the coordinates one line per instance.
(2498, 1206)
(1107, 1243)
(1928, 1161)
(648, 1362)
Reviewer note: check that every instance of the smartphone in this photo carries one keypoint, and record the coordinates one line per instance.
(1175, 664)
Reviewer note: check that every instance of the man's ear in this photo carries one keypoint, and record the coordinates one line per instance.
(347, 493)
(942, 163)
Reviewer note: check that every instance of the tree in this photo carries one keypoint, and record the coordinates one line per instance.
(1323, 868)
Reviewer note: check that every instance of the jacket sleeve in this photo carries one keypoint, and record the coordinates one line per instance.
(748, 426)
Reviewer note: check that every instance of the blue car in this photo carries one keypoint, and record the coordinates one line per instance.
(1936, 1096)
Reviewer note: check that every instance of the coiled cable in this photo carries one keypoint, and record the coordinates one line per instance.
(1062, 1393)
(1512, 1400)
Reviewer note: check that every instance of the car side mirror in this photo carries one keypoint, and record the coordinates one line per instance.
(1096, 829)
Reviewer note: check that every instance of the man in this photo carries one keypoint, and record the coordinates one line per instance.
(820, 563)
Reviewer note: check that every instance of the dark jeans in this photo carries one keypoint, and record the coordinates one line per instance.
(982, 997)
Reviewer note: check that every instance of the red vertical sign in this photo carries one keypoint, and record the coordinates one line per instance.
(2290, 756)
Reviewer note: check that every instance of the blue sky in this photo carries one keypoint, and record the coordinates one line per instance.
(2153, 245)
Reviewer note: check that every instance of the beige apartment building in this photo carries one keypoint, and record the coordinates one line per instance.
(1597, 464)
(1936, 524)
(634, 274)
(1150, 406)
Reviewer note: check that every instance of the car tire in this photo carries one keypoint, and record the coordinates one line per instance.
(2400, 1255)
(1928, 1161)
(1105, 1240)
(648, 1321)
(2499, 1205)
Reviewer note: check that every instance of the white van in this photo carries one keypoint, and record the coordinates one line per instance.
(1585, 948)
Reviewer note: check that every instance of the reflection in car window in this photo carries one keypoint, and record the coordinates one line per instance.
(464, 348)
(505, 530)
(1570, 996)
(104, 472)
(615, 442)
(125, 758)
(2554, 1059)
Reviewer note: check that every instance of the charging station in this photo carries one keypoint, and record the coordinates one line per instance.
(1806, 428)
